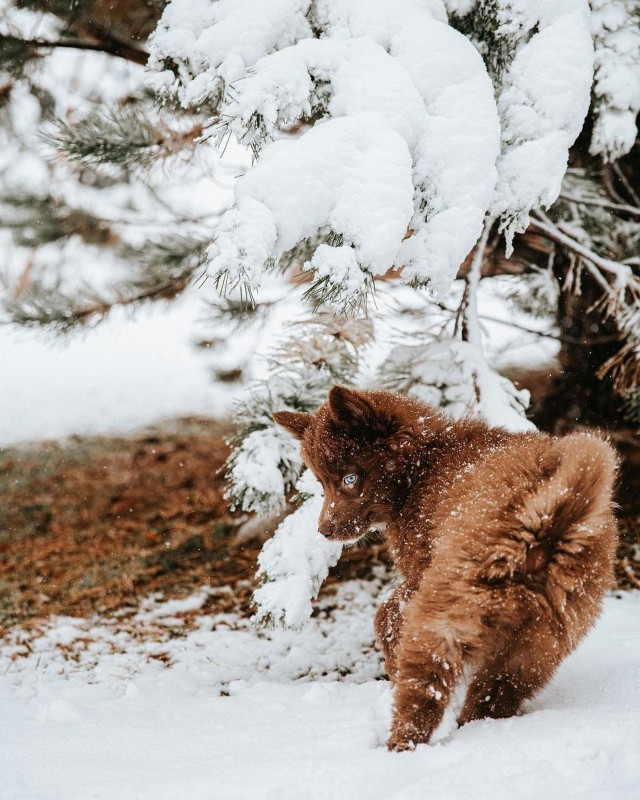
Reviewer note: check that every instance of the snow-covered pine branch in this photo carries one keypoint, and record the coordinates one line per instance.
(616, 34)
(294, 563)
(265, 463)
(395, 94)
(396, 160)
(446, 373)
(540, 56)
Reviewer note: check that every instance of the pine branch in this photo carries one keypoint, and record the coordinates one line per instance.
(469, 305)
(109, 44)
(620, 301)
(164, 270)
(621, 272)
(593, 201)
(35, 221)
(121, 136)
(40, 306)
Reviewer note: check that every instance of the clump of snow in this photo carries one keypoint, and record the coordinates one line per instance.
(375, 18)
(616, 89)
(543, 100)
(260, 468)
(459, 7)
(295, 562)
(243, 244)
(200, 46)
(454, 170)
(350, 174)
(337, 269)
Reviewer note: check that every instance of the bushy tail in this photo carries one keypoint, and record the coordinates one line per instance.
(561, 531)
(578, 492)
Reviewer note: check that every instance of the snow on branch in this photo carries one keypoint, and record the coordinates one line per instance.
(351, 174)
(616, 33)
(294, 563)
(265, 462)
(393, 97)
(454, 375)
(201, 46)
(543, 101)
(540, 56)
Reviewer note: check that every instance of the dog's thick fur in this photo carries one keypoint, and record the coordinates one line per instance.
(505, 542)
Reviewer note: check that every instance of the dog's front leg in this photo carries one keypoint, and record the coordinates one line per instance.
(419, 705)
(388, 627)
(429, 664)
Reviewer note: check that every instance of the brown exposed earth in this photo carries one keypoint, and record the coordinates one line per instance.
(92, 525)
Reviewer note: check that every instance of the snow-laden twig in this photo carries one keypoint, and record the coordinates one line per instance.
(470, 324)
(492, 400)
(621, 208)
(622, 273)
(294, 563)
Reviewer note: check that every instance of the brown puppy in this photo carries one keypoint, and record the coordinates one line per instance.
(505, 542)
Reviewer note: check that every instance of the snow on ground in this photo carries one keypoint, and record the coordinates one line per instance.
(136, 707)
(128, 372)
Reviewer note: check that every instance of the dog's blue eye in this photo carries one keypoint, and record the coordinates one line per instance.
(349, 480)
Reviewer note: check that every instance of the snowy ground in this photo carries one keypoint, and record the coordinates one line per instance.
(126, 373)
(139, 707)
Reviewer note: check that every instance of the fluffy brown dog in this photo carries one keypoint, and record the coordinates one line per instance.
(505, 542)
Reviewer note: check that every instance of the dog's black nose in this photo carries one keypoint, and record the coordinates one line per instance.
(327, 527)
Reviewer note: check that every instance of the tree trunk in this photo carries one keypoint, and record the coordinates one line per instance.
(588, 341)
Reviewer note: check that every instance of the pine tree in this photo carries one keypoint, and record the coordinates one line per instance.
(395, 146)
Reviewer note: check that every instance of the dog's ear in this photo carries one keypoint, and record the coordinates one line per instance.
(351, 409)
(296, 422)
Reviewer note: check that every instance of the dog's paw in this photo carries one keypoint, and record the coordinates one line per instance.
(406, 736)
(398, 744)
